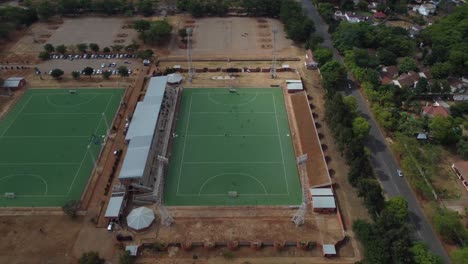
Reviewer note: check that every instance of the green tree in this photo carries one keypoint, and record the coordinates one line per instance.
(449, 225)
(44, 55)
(441, 70)
(323, 55)
(145, 54)
(91, 257)
(126, 258)
(71, 207)
(460, 256)
(49, 48)
(314, 41)
(157, 33)
(45, 10)
(386, 57)
(397, 207)
(88, 71)
(75, 75)
(106, 74)
(371, 192)
(333, 76)
(421, 86)
(422, 255)
(444, 129)
(145, 7)
(360, 128)
(462, 148)
(117, 48)
(61, 49)
(106, 50)
(94, 47)
(123, 71)
(407, 64)
(82, 47)
(56, 73)
(182, 33)
(141, 25)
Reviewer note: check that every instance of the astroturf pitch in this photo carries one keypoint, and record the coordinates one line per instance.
(47, 150)
(232, 142)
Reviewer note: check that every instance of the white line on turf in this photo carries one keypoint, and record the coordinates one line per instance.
(202, 113)
(281, 145)
(87, 148)
(231, 135)
(233, 173)
(19, 113)
(185, 141)
(232, 162)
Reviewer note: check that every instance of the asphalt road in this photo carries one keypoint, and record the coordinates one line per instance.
(382, 159)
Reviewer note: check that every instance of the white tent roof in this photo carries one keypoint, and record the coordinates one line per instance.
(140, 218)
(174, 78)
(12, 82)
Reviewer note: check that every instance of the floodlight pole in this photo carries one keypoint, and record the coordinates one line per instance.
(273, 62)
(191, 72)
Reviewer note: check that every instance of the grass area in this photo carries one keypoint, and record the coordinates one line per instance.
(46, 147)
(232, 142)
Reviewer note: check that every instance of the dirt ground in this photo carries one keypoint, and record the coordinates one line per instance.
(232, 37)
(71, 31)
(27, 239)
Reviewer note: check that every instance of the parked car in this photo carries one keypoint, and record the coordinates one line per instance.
(110, 227)
(114, 64)
(103, 65)
(400, 173)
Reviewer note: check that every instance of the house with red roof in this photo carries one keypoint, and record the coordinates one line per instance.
(379, 15)
(435, 110)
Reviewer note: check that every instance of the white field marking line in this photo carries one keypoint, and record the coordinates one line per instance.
(281, 145)
(75, 105)
(39, 196)
(45, 137)
(224, 135)
(245, 103)
(227, 92)
(239, 194)
(230, 173)
(39, 163)
(220, 113)
(232, 162)
(62, 113)
(33, 175)
(185, 141)
(87, 147)
(19, 113)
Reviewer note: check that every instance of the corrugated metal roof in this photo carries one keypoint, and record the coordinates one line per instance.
(114, 206)
(323, 202)
(329, 249)
(134, 163)
(12, 82)
(294, 85)
(321, 191)
(144, 120)
(142, 129)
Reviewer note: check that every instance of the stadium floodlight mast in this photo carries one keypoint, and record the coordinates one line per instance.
(191, 71)
(273, 62)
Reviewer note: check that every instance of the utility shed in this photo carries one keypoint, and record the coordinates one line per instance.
(114, 207)
(294, 86)
(14, 83)
(133, 250)
(321, 191)
(324, 204)
(328, 250)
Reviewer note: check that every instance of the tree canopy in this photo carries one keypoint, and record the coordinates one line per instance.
(91, 257)
(158, 32)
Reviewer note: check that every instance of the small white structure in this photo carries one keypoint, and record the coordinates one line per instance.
(114, 208)
(294, 86)
(174, 78)
(133, 250)
(425, 9)
(140, 218)
(328, 250)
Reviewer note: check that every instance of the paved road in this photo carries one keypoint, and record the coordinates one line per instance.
(382, 158)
